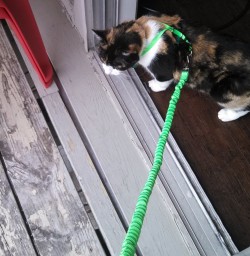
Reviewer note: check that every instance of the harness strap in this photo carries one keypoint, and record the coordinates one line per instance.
(160, 34)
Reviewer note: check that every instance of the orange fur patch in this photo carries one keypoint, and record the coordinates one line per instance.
(111, 35)
(170, 20)
(232, 58)
(142, 21)
(134, 48)
(204, 49)
(177, 75)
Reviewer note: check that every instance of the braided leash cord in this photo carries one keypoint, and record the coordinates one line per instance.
(133, 233)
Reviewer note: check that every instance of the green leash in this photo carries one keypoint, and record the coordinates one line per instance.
(134, 230)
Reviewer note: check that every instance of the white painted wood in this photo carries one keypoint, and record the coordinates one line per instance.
(86, 15)
(42, 184)
(127, 10)
(188, 204)
(111, 14)
(128, 118)
(245, 252)
(99, 14)
(80, 21)
(180, 177)
(91, 184)
(79, 13)
(177, 184)
(115, 152)
(89, 17)
(14, 239)
(69, 8)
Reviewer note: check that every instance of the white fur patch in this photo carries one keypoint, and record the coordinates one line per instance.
(157, 86)
(227, 115)
(110, 71)
(149, 56)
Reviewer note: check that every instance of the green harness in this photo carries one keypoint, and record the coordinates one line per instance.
(157, 37)
(134, 230)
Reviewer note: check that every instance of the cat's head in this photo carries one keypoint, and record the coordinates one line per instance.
(120, 46)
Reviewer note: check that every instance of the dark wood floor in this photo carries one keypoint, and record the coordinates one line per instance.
(219, 153)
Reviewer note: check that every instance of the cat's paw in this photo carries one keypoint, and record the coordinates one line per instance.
(227, 115)
(107, 69)
(157, 86)
(115, 72)
(110, 71)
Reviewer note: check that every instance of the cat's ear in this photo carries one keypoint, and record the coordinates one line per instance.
(101, 33)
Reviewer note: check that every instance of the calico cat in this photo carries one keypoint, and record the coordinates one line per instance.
(219, 65)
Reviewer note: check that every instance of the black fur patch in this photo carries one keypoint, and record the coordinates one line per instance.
(220, 65)
(115, 50)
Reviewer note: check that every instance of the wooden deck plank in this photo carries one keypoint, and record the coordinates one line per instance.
(90, 183)
(117, 155)
(14, 238)
(174, 177)
(245, 252)
(49, 201)
(26, 65)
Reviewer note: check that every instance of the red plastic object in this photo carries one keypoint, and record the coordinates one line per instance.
(19, 15)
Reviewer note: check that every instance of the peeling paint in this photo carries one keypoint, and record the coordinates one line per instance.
(40, 219)
(25, 132)
(9, 234)
(63, 211)
(38, 174)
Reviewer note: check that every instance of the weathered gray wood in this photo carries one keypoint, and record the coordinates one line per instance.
(41, 89)
(49, 201)
(26, 65)
(113, 143)
(110, 226)
(14, 239)
(91, 184)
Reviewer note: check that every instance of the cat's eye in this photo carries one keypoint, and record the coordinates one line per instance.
(125, 53)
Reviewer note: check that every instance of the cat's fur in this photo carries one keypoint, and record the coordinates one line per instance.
(219, 66)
